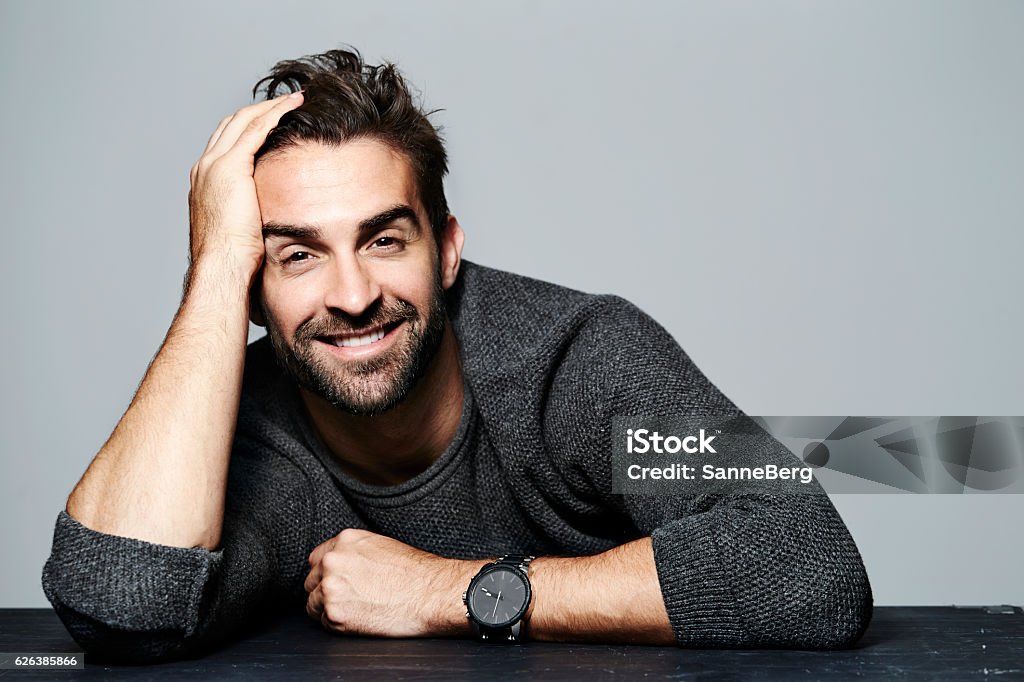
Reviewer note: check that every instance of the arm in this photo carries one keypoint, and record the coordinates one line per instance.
(151, 560)
(127, 600)
(364, 583)
(608, 597)
(738, 566)
(369, 584)
(174, 441)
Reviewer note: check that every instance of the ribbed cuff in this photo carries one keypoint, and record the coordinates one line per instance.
(696, 586)
(126, 583)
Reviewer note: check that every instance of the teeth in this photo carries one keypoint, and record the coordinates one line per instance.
(354, 341)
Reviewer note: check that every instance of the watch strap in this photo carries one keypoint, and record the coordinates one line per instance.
(520, 561)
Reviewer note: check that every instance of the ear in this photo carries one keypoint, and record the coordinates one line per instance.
(255, 299)
(450, 251)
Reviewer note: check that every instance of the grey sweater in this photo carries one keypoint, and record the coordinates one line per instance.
(529, 470)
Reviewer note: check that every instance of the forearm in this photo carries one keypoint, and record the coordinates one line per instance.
(161, 477)
(614, 596)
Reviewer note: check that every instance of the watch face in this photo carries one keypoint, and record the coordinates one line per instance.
(499, 597)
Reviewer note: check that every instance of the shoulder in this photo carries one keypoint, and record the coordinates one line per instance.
(621, 361)
(501, 318)
(507, 322)
(598, 350)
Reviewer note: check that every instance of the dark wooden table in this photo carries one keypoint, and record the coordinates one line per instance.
(935, 643)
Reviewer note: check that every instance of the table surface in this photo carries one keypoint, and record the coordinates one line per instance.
(936, 643)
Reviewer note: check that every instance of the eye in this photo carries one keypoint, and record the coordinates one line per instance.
(387, 244)
(297, 257)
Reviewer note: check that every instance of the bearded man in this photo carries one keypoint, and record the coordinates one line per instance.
(421, 445)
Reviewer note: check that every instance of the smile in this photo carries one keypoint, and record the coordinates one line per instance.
(360, 338)
(353, 341)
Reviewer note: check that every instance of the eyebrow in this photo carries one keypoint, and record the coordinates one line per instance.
(366, 227)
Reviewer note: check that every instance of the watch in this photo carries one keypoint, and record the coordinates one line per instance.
(498, 597)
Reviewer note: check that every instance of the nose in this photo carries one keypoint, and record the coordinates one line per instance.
(352, 288)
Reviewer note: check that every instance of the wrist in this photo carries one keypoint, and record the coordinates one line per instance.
(541, 587)
(448, 613)
(220, 280)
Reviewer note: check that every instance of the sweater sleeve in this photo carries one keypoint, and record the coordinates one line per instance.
(129, 600)
(737, 567)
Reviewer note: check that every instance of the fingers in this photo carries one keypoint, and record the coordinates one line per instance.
(239, 121)
(250, 125)
(216, 133)
(248, 112)
(317, 554)
(315, 604)
(314, 577)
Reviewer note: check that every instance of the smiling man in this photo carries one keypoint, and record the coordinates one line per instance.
(353, 302)
(421, 445)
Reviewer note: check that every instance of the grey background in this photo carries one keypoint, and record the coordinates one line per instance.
(821, 201)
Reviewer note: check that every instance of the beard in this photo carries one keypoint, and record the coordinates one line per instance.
(364, 387)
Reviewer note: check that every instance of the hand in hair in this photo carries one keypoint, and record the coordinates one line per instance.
(223, 210)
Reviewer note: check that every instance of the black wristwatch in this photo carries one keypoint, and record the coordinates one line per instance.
(498, 597)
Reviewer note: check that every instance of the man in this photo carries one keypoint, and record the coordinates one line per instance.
(416, 427)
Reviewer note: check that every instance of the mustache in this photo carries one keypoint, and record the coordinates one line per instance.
(340, 322)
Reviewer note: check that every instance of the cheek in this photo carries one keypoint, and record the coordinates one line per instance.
(418, 294)
(412, 284)
(287, 304)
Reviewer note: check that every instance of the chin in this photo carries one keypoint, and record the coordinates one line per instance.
(372, 402)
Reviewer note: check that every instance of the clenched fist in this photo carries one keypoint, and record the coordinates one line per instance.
(225, 216)
(369, 584)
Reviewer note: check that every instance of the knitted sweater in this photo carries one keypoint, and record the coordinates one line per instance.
(528, 471)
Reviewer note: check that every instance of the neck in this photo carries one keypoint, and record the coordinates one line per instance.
(391, 448)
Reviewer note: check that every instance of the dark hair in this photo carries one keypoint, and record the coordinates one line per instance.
(345, 98)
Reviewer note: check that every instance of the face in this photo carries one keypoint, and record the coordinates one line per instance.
(353, 281)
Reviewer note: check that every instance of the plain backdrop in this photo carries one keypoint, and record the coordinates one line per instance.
(821, 201)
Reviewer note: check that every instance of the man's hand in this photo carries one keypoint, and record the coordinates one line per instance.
(224, 212)
(369, 584)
